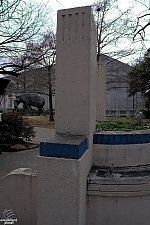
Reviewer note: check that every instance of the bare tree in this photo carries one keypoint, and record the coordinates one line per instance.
(45, 54)
(40, 77)
(114, 30)
(143, 21)
(114, 33)
(20, 22)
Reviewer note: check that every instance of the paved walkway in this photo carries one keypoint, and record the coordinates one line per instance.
(10, 161)
(43, 134)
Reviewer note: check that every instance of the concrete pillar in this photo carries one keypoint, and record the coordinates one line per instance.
(75, 71)
(101, 92)
(65, 161)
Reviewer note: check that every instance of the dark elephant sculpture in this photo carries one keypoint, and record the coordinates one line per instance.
(28, 100)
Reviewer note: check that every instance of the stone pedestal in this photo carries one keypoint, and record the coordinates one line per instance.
(62, 190)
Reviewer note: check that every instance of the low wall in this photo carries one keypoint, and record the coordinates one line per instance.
(122, 149)
(118, 200)
(118, 210)
(18, 196)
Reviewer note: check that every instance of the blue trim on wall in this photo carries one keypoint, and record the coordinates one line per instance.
(121, 139)
(61, 150)
(76, 148)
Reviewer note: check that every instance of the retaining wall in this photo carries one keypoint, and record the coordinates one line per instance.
(18, 193)
(121, 148)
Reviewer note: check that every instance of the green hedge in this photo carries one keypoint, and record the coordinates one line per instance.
(120, 125)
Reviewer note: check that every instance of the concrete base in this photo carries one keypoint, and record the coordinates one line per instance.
(118, 210)
(62, 189)
(118, 201)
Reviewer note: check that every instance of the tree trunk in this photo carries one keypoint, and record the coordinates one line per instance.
(51, 118)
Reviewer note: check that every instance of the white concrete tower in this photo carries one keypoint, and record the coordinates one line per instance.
(64, 162)
(76, 72)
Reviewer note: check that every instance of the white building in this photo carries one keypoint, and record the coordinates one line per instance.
(117, 100)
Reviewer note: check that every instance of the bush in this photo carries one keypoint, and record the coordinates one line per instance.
(146, 114)
(15, 129)
(120, 125)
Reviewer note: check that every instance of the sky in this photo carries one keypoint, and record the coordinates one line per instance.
(139, 6)
(63, 4)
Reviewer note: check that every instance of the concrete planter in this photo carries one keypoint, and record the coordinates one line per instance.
(122, 138)
(121, 195)
(121, 148)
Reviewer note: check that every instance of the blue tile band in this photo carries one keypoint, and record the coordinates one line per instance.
(60, 149)
(121, 139)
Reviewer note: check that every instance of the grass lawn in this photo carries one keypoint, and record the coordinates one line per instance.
(41, 121)
(38, 118)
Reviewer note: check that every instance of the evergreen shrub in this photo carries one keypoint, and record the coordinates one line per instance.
(15, 129)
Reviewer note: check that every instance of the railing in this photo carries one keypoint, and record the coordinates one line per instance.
(121, 113)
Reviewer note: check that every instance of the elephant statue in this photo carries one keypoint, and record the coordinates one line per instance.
(28, 100)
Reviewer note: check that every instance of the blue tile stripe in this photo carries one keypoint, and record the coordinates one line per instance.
(121, 139)
(59, 150)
